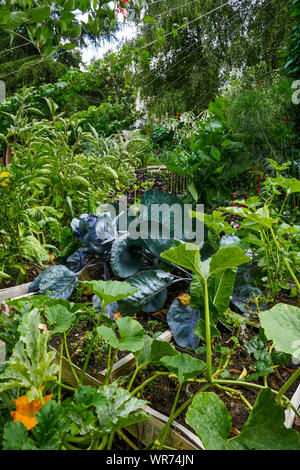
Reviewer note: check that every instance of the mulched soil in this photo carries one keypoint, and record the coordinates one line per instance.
(78, 344)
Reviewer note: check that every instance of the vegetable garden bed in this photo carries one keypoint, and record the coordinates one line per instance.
(223, 361)
(178, 437)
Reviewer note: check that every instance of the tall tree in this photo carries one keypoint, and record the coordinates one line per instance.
(21, 64)
(38, 39)
(193, 44)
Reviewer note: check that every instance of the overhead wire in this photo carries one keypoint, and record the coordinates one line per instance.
(171, 9)
(15, 47)
(181, 76)
(152, 42)
(43, 59)
(189, 47)
(187, 24)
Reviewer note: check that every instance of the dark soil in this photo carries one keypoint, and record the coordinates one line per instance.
(161, 392)
(78, 343)
(153, 324)
(284, 297)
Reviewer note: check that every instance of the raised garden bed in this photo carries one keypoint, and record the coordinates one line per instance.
(162, 393)
(178, 436)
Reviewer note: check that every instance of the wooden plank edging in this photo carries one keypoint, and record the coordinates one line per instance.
(289, 414)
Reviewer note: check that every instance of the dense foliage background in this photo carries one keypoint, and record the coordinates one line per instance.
(205, 88)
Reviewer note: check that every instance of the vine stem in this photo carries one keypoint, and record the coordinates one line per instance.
(285, 260)
(103, 443)
(285, 199)
(249, 384)
(264, 241)
(109, 369)
(237, 393)
(110, 440)
(207, 333)
(166, 428)
(108, 363)
(69, 360)
(133, 379)
(153, 377)
(66, 386)
(60, 372)
(287, 385)
(90, 350)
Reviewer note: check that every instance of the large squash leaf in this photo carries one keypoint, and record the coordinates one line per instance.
(281, 324)
(131, 334)
(264, 429)
(152, 351)
(186, 255)
(110, 291)
(184, 366)
(226, 258)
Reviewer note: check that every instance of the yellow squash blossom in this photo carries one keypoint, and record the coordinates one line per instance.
(185, 299)
(6, 175)
(26, 411)
(117, 315)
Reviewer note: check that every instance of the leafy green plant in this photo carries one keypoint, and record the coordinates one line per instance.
(258, 109)
(207, 157)
(278, 253)
(90, 417)
(126, 255)
(46, 182)
(39, 22)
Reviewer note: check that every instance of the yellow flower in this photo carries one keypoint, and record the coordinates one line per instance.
(185, 299)
(26, 411)
(117, 315)
(6, 175)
